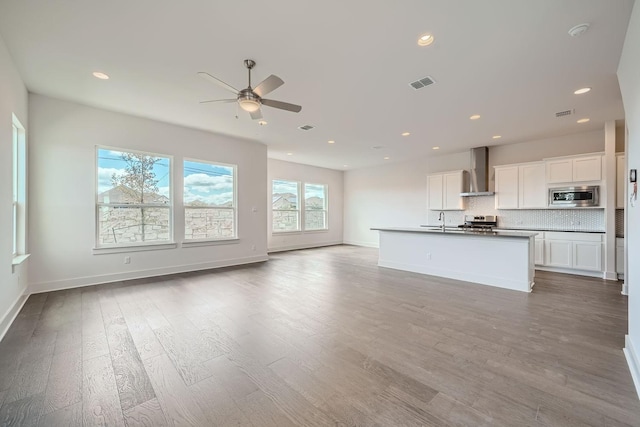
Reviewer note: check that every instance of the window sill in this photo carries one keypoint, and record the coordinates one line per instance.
(321, 230)
(134, 248)
(279, 233)
(19, 259)
(276, 233)
(199, 243)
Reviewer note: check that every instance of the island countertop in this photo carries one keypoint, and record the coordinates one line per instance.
(458, 232)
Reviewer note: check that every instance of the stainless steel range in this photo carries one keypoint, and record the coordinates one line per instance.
(479, 222)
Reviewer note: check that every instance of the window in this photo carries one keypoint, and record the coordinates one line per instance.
(285, 207)
(133, 199)
(209, 201)
(315, 207)
(19, 172)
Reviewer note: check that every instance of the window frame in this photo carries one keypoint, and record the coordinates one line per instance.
(197, 242)
(134, 246)
(298, 210)
(325, 208)
(19, 191)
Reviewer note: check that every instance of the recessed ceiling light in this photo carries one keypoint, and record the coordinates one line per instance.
(475, 117)
(262, 122)
(344, 166)
(496, 136)
(435, 148)
(578, 30)
(585, 120)
(101, 76)
(583, 90)
(386, 158)
(405, 134)
(425, 40)
(331, 141)
(289, 154)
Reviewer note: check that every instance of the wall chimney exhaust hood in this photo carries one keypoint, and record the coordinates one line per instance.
(479, 173)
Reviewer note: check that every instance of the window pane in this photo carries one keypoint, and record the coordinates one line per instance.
(315, 220)
(209, 200)
(207, 184)
(285, 220)
(285, 206)
(209, 223)
(132, 225)
(139, 178)
(315, 206)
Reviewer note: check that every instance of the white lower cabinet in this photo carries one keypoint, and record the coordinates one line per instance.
(539, 249)
(620, 255)
(578, 251)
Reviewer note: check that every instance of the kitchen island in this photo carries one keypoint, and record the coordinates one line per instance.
(496, 258)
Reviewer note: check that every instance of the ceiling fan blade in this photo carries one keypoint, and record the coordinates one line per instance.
(282, 105)
(255, 115)
(219, 82)
(269, 84)
(218, 100)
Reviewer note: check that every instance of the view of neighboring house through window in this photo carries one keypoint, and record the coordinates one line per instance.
(209, 201)
(285, 206)
(133, 201)
(19, 168)
(315, 207)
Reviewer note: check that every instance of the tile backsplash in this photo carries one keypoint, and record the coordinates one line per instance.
(619, 222)
(542, 219)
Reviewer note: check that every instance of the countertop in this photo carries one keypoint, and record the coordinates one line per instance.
(529, 229)
(458, 232)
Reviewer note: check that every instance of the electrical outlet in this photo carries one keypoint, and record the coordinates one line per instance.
(127, 260)
(253, 247)
(428, 255)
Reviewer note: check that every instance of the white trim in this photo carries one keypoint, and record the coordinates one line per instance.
(77, 282)
(597, 274)
(19, 259)
(194, 243)
(633, 360)
(364, 244)
(610, 275)
(12, 313)
(301, 246)
(625, 289)
(134, 248)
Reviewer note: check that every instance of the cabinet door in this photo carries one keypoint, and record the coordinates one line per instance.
(532, 191)
(507, 187)
(587, 169)
(621, 179)
(587, 256)
(557, 253)
(434, 192)
(539, 252)
(559, 171)
(620, 258)
(451, 189)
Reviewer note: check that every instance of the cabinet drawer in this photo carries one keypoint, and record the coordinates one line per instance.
(573, 236)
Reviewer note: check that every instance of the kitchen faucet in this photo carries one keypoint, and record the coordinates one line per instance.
(441, 218)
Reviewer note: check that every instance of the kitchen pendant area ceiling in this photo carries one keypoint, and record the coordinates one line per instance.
(348, 63)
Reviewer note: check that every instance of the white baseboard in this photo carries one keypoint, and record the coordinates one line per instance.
(11, 314)
(633, 360)
(296, 247)
(610, 275)
(365, 244)
(586, 273)
(57, 285)
(625, 289)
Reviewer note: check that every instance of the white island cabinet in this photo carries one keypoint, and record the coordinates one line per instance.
(498, 258)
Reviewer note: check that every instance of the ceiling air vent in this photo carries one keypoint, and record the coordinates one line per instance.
(423, 82)
(564, 113)
(305, 127)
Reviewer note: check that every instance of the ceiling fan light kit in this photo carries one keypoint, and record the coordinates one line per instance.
(249, 99)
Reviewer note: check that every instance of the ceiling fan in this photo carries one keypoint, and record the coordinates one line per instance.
(251, 99)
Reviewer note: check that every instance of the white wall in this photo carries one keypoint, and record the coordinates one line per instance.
(62, 194)
(278, 169)
(13, 99)
(395, 194)
(629, 78)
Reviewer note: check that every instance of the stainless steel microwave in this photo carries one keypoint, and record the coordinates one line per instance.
(574, 197)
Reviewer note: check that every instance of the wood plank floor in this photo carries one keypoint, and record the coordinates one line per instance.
(320, 337)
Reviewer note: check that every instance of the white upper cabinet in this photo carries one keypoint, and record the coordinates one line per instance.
(574, 169)
(621, 178)
(521, 186)
(443, 191)
(532, 191)
(506, 187)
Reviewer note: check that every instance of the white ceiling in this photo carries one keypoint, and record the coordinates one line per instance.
(348, 63)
